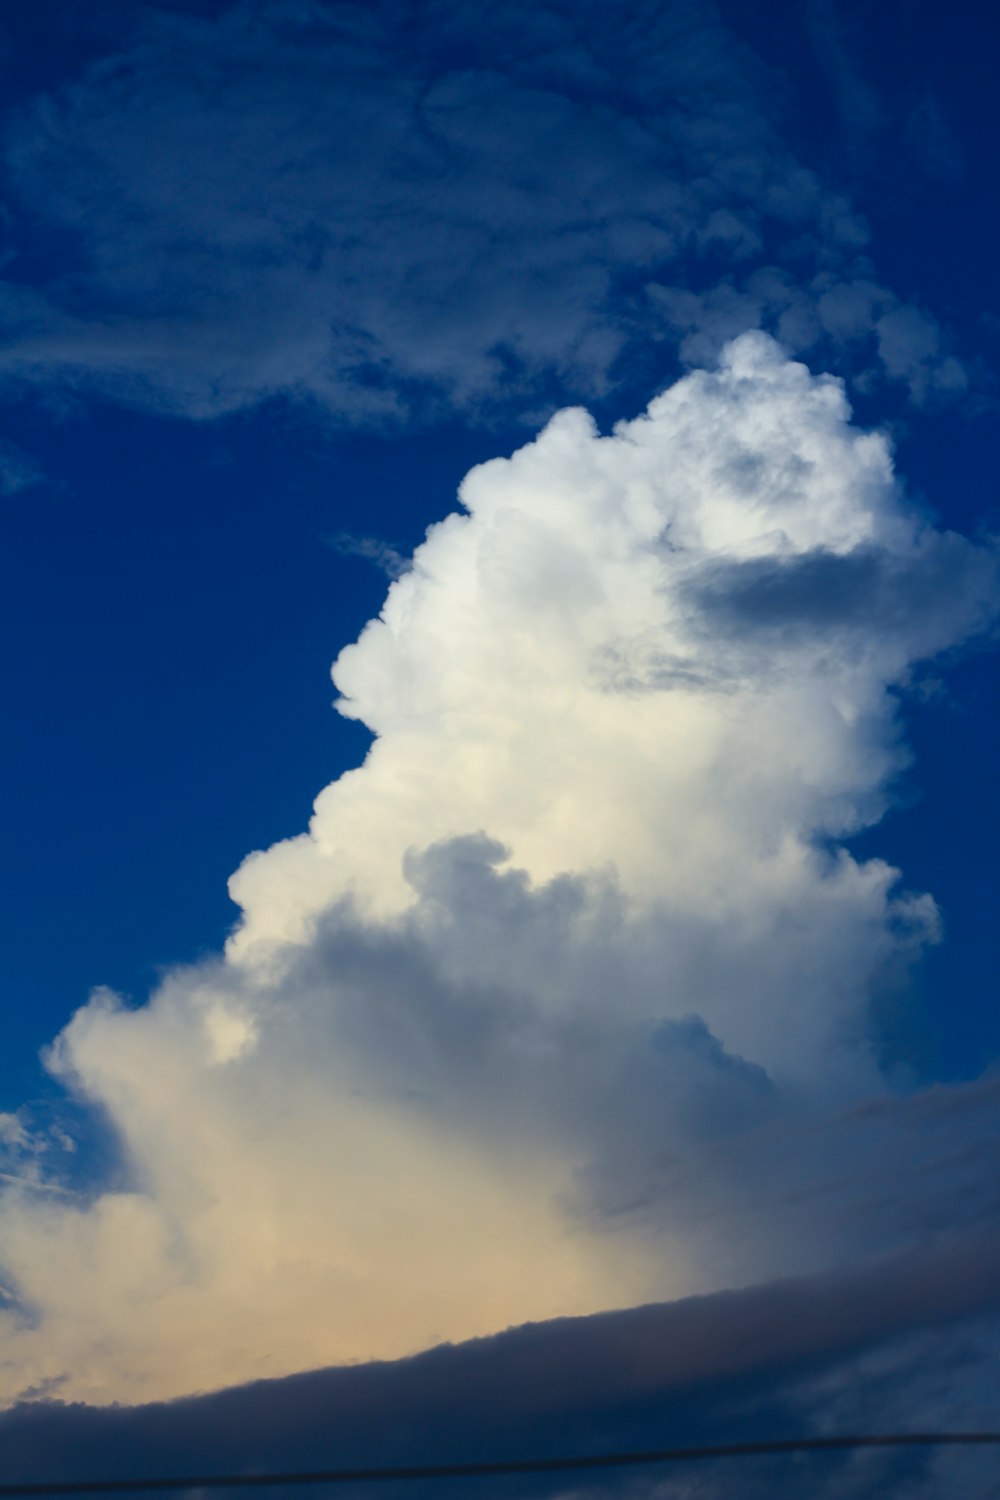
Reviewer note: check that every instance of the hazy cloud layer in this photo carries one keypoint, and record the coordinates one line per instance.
(392, 212)
(569, 998)
(858, 1349)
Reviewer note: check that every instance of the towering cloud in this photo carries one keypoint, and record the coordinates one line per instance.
(569, 997)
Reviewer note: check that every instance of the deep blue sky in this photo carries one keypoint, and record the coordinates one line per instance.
(173, 614)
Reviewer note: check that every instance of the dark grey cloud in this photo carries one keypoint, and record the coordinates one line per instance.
(505, 1012)
(787, 1358)
(917, 596)
(388, 211)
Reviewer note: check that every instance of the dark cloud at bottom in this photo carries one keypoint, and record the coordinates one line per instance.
(900, 1344)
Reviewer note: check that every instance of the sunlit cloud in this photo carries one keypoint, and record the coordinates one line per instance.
(568, 997)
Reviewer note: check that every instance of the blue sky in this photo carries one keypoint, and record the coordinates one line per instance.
(652, 952)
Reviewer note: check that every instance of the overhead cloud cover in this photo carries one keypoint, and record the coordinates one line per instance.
(569, 998)
(396, 213)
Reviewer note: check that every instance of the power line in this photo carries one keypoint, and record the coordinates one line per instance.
(503, 1466)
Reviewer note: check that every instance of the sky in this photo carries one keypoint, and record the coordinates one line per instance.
(574, 1022)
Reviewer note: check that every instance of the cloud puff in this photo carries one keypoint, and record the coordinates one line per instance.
(575, 663)
(568, 997)
(846, 312)
(392, 215)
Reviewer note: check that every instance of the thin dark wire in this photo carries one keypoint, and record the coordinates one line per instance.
(502, 1466)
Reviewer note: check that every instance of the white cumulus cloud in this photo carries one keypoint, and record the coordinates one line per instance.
(515, 1027)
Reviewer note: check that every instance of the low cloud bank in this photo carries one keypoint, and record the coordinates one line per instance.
(790, 1358)
(569, 998)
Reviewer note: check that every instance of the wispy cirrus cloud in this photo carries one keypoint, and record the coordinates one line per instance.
(381, 554)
